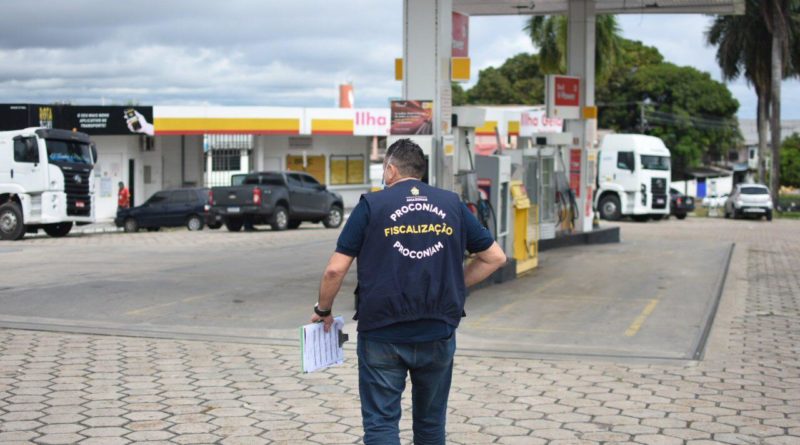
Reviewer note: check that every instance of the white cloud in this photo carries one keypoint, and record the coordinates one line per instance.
(250, 52)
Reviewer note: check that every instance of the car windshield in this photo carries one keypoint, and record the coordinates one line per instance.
(650, 162)
(754, 191)
(73, 152)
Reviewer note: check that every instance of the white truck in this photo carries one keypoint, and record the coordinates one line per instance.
(633, 177)
(45, 181)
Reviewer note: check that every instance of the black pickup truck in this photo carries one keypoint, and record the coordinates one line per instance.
(281, 199)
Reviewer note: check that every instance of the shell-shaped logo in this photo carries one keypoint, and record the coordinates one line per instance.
(414, 191)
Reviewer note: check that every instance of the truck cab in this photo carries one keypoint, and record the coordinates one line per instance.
(45, 181)
(633, 177)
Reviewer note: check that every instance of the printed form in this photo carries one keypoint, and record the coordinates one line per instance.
(322, 349)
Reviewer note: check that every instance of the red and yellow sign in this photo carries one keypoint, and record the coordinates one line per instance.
(204, 125)
(332, 126)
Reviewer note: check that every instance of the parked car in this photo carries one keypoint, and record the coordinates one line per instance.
(749, 200)
(715, 200)
(281, 199)
(167, 208)
(680, 205)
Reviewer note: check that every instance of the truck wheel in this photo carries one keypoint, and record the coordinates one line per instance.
(609, 208)
(131, 226)
(58, 230)
(681, 216)
(334, 218)
(295, 223)
(12, 227)
(769, 216)
(194, 223)
(233, 224)
(280, 219)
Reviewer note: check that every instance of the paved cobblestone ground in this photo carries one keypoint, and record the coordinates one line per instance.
(63, 388)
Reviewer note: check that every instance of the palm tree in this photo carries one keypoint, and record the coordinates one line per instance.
(740, 44)
(783, 27)
(740, 52)
(549, 33)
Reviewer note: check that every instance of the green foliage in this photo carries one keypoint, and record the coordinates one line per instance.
(790, 161)
(549, 34)
(619, 108)
(518, 81)
(690, 111)
(459, 95)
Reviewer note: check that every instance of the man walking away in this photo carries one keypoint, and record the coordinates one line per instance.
(410, 240)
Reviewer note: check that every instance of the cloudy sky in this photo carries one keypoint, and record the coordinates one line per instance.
(250, 52)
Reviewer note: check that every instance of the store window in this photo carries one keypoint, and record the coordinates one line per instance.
(347, 169)
(226, 159)
(313, 165)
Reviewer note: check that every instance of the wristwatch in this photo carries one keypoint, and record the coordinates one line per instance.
(320, 312)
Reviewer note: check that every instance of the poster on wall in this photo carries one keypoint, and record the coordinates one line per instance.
(106, 187)
(93, 120)
(412, 117)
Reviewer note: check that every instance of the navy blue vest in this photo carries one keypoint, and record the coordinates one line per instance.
(410, 266)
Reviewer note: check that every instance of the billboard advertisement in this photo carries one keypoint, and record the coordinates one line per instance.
(412, 117)
(93, 120)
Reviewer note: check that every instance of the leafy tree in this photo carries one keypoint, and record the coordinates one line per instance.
(459, 95)
(518, 81)
(694, 114)
(691, 112)
(618, 108)
(549, 33)
(790, 161)
(742, 42)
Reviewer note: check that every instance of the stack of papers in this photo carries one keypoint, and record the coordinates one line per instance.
(322, 349)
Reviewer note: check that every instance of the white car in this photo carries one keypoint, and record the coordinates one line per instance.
(714, 200)
(749, 200)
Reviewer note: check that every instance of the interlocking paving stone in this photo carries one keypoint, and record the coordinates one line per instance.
(66, 388)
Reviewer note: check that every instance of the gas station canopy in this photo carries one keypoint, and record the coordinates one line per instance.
(552, 7)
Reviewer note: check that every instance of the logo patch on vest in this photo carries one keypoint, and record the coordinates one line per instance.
(427, 229)
(414, 191)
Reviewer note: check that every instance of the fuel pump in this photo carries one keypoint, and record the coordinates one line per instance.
(494, 177)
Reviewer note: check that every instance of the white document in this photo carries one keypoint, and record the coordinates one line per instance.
(321, 349)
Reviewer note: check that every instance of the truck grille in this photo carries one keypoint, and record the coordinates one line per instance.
(658, 186)
(76, 185)
(660, 201)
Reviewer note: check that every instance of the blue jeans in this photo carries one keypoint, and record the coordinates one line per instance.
(382, 370)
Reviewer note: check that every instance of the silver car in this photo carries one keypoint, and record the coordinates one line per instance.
(749, 200)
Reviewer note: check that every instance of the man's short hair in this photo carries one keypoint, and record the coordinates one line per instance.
(121, 184)
(407, 157)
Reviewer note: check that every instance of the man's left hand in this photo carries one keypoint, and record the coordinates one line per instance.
(328, 321)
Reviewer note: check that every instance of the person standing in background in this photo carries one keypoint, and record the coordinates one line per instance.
(123, 196)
